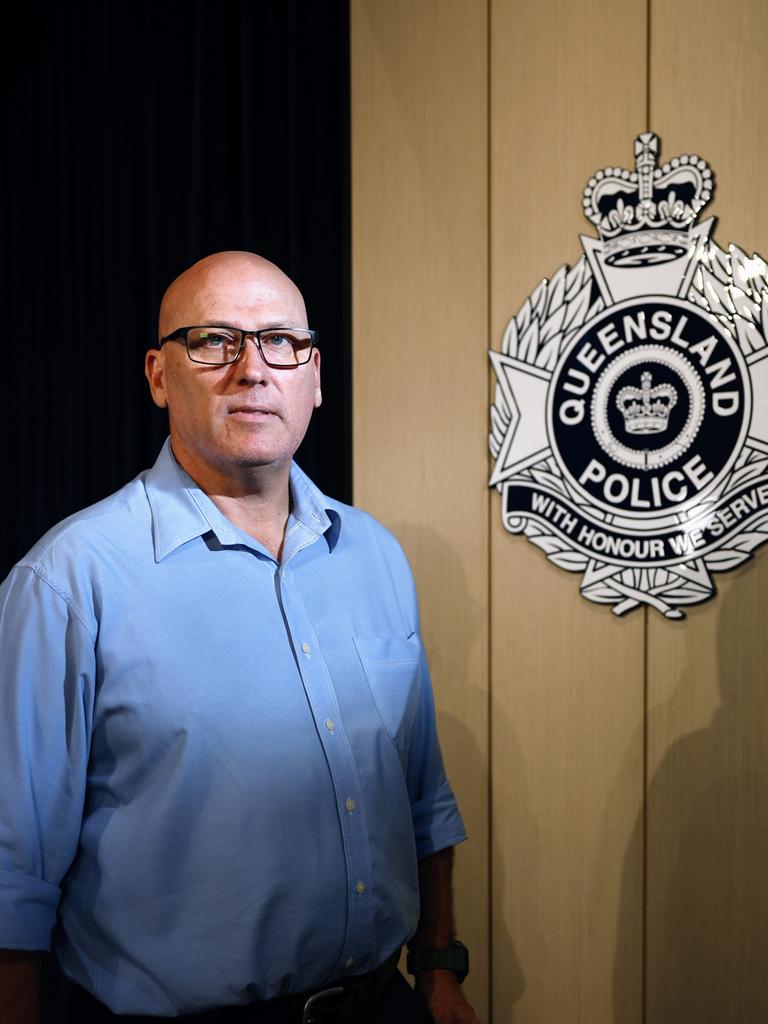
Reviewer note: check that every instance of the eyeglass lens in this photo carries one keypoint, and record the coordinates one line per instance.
(222, 345)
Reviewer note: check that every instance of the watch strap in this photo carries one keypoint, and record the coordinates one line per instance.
(453, 958)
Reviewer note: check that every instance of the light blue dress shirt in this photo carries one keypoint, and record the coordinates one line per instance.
(219, 771)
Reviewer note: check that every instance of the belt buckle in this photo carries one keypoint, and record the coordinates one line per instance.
(306, 1013)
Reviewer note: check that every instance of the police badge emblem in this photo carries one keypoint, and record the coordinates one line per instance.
(629, 425)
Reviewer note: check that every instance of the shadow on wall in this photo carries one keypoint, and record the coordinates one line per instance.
(707, 870)
(522, 892)
(453, 634)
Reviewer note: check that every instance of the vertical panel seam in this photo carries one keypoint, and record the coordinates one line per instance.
(648, 65)
(644, 881)
(348, 385)
(646, 674)
(489, 522)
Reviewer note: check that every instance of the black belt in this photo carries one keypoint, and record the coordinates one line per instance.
(346, 1001)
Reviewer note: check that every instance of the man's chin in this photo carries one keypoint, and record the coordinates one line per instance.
(263, 460)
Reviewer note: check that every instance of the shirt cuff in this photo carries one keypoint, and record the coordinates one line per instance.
(28, 908)
(437, 822)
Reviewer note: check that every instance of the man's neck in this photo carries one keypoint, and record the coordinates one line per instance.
(256, 500)
(264, 517)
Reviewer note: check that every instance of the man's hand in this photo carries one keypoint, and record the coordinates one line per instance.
(440, 989)
(444, 997)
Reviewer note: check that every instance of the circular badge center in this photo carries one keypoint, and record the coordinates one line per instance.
(647, 407)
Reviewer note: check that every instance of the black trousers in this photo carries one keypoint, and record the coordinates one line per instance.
(397, 1004)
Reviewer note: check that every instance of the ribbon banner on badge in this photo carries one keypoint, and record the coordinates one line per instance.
(629, 427)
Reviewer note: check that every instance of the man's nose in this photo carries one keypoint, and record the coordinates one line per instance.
(250, 366)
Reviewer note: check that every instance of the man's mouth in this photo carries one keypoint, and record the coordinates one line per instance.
(252, 412)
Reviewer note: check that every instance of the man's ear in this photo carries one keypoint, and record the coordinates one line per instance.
(154, 370)
(316, 364)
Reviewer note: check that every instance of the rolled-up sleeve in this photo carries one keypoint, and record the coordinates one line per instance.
(47, 675)
(437, 822)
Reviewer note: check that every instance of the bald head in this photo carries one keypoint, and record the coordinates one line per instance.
(236, 425)
(237, 284)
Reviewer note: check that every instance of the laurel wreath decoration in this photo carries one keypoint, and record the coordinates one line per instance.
(732, 288)
(546, 323)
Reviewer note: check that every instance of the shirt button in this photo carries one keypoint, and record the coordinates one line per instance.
(330, 725)
(360, 888)
(350, 804)
(306, 648)
(348, 963)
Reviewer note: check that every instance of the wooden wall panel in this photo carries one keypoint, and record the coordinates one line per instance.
(420, 320)
(567, 96)
(475, 126)
(708, 713)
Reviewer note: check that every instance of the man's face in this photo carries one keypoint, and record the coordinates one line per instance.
(227, 420)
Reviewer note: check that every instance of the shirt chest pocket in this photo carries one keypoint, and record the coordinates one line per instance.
(392, 667)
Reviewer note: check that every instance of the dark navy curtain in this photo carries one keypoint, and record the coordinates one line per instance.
(138, 137)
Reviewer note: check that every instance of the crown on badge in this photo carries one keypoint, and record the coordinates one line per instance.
(645, 409)
(645, 215)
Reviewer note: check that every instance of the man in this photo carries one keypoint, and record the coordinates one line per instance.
(219, 765)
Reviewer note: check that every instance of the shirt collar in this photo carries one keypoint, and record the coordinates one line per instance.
(181, 511)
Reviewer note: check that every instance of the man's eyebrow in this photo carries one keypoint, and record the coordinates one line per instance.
(234, 327)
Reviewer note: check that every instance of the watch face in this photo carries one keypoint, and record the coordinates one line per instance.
(461, 954)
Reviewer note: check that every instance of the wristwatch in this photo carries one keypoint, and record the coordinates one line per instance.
(454, 958)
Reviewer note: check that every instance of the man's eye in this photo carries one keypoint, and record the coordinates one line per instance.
(277, 340)
(210, 339)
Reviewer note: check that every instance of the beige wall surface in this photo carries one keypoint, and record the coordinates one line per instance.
(612, 772)
(420, 323)
(566, 677)
(707, 724)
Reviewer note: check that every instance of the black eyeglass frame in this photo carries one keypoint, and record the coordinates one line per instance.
(181, 334)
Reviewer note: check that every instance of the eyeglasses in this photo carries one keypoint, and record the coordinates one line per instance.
(280, 347)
